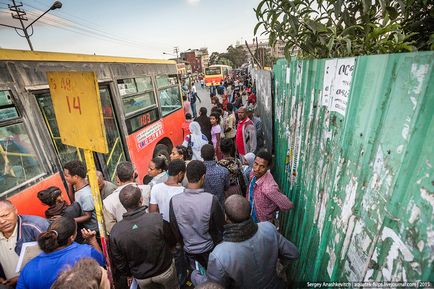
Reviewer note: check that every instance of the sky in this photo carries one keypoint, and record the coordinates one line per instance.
(132, 28)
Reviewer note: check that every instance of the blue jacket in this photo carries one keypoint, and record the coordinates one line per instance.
(250, 263)
(42, 271)
(29, 228)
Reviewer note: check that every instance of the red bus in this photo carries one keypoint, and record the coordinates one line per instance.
(142, 109)
(215, 74)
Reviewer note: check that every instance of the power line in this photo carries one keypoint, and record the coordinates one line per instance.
(78, 27)
(91, 26)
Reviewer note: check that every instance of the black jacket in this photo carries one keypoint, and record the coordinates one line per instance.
(139, 246)
(205, 126)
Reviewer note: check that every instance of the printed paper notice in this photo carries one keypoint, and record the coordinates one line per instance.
(288, 75)
(329, 75)
(342, 84)
(150, 134)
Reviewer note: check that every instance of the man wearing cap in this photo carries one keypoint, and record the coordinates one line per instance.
(245, 139)
(258, 125)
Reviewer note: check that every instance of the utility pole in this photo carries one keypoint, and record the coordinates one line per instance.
(20, 15)
(176, 50)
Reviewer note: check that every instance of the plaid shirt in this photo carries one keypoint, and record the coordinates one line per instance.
(268, 199)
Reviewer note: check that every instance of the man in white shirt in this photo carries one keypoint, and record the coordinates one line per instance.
(162, 193)
(15, 230)
(112, 207)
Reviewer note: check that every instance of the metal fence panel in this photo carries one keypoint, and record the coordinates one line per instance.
(355, 146)
(263, 81)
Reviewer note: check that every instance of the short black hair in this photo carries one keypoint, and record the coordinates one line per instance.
(130, 196)
(230, 107)
(125, 171)
(207, 152)
(237, 208)
(160, 163)
(175, 167)
(49, 196)
(147, 179)
(265, 155)
(216, 115)
(182, 150)
(203, 111)
(188, 116)
(226, 145)
(195, 170)
(76, 168)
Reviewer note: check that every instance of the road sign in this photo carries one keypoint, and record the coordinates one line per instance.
(77, 106)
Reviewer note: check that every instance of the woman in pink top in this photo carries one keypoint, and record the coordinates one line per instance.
(215, 133)
(187, 105)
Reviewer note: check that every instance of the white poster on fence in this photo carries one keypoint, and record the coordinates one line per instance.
(329, 75)
(342, 84)
(288, 74)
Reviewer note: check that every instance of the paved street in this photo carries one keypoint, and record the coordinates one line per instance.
(204, 96)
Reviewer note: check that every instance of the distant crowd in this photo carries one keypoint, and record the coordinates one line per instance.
(205, 216)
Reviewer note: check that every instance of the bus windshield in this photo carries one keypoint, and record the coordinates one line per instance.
(212, 70)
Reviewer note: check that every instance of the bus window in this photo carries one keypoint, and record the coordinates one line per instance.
(212, 70)
(66, 153)
(168, 91)
(116, 152)
(18, 160)
(137, 94)
(7, 108)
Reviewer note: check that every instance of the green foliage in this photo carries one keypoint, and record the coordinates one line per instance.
(214, 58)
(234, 56)
(338, 28)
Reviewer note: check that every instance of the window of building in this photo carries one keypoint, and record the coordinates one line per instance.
(168, 91)
(18, 160)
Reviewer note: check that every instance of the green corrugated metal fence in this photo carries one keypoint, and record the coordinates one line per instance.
(358, 136)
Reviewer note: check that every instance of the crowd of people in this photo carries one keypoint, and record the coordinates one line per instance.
(206, 215)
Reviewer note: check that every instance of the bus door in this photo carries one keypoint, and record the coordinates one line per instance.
(104, 162)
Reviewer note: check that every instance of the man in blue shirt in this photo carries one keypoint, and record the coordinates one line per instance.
(216, 177)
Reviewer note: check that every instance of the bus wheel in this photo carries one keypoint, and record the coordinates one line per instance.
(161, 150)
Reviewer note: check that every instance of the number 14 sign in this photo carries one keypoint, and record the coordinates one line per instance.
(77, 106)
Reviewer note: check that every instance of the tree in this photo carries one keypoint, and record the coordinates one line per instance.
(236, 55)
(214, 58)
(338, 28)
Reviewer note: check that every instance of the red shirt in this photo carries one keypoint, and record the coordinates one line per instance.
(239, 142)
(252, 98)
